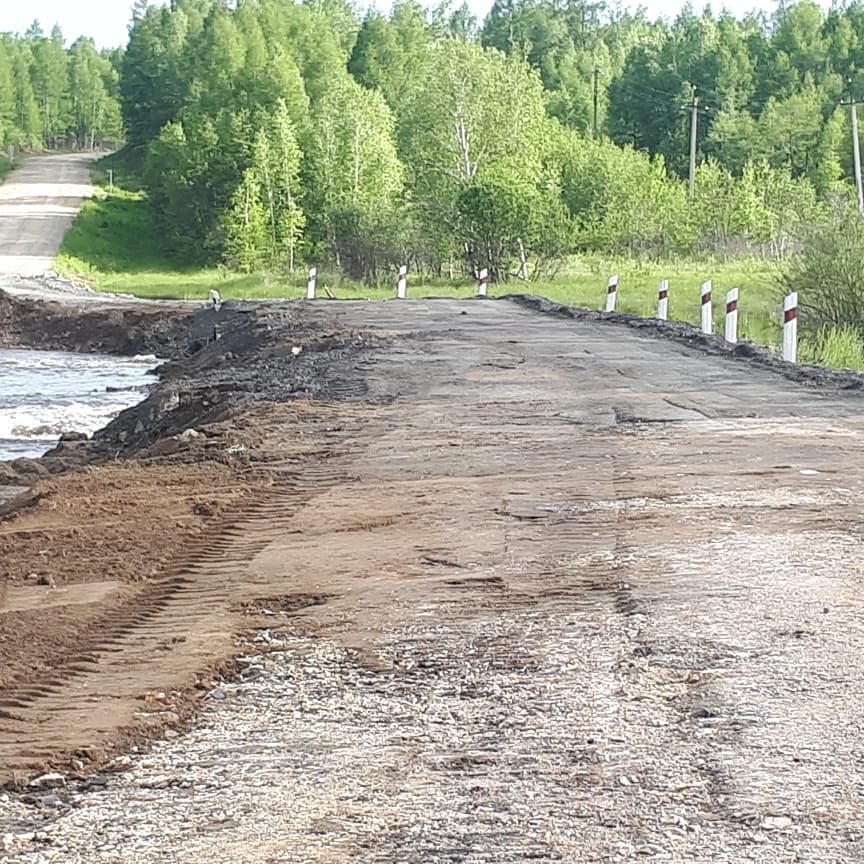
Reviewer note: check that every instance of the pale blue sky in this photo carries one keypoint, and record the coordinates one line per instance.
(106, 20)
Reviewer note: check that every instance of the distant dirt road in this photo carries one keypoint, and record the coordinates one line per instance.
(38, 202)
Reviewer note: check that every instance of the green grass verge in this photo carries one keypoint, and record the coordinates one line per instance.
(839, 347)
(114, 246)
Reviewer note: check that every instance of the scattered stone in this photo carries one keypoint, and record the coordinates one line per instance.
(73, 437)
(48, 780)
(776, 823)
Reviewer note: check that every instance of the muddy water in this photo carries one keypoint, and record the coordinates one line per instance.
(45, 393)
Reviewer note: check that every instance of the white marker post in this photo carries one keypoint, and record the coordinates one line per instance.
(483, 285)
(790, 327)
(311, 284)
(707, 314)
(732, 316)
(612, 294)
(663, 301)
(402, 287)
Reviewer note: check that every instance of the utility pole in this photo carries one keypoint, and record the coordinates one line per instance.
(694, 122)
(596, 95)
(856, 149)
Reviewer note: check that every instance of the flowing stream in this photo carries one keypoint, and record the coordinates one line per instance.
(46, 393)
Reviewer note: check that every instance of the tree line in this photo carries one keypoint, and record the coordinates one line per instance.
(54, 96)
(269, 132)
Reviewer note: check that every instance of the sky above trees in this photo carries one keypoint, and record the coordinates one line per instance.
(107, 22)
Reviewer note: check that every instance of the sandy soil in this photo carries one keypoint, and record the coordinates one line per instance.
(537, 588)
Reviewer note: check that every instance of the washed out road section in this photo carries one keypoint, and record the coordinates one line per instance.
(38, 202)
(524, 588)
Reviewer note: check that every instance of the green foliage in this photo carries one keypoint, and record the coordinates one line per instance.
(5, 166)
(247, 238)
(276, 133)
(51, 96)
(356, 176)
(840, 347)
(828, 274)
(114, 233)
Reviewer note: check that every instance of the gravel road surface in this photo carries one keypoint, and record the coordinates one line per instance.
(520, 589)
(38, 202)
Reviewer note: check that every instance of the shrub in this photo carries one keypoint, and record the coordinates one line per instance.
(828, 272)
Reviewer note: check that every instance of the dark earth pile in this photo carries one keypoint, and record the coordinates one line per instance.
(217, 361)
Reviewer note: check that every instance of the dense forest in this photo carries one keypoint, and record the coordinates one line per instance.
(55, 96)
(269, 132)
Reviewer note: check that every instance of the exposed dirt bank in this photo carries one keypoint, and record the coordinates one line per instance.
(106, 327)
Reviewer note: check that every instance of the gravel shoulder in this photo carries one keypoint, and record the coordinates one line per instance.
(506, 586)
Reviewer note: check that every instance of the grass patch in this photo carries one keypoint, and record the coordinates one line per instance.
(112, 234)
(840, 347)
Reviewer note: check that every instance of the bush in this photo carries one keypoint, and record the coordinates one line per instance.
(828, 272)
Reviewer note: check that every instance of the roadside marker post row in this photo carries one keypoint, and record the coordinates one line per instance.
(790, 306)
(730, 333)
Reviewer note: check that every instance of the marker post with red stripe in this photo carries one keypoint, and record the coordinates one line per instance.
(483, 284)
(402, 286)
(612, 294)
(707, 315)
(790, 327)
(312, 283)
(663, 301)
(732, 315)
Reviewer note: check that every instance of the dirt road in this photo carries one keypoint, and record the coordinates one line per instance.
(38, 202)
(523, 588)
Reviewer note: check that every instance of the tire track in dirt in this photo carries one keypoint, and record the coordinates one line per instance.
(130, 675)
